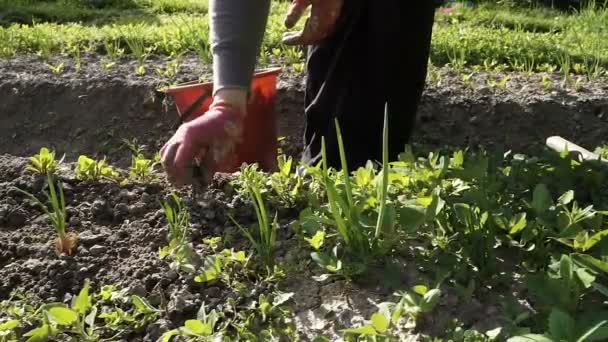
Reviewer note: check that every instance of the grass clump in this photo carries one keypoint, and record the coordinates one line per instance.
(65, 243)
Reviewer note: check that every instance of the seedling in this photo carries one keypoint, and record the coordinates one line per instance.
(57, 69)
(91, 170)
(141, 168)
(44, 162)
(267, 230)
(84, 320)
(204, 327)
(179, 248)
(64, 243)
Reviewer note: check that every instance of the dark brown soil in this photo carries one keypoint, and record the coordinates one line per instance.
(92, 110)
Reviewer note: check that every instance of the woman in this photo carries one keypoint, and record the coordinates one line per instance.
(362, 55)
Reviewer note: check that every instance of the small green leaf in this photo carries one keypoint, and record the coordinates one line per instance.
(494, 333)
(317, 240)
(321, 339)
(63, 316)
(166, 337)
(566, 198)
(366, 330)
(420, 289)
(106, 292)
(90, 318)
(83, 301)
(591, 262)
(142, 305)
(430, 300)
(380, 322)
(518, 223)
(594, 239)
(585, 277)
(561, 325)
(411, 216)
(198, 327)
(282, 298)
(9, 325)
(40, 334)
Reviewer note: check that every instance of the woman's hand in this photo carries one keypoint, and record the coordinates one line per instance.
(211, 137)
(320, 24)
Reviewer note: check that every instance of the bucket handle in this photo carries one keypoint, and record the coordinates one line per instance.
(190, 110)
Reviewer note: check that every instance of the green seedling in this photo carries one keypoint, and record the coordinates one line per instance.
(287, 186)
(57, 69)
(420, 300)
(221, 266)
(179, 248)
(91, 170)
(84, 320)
(203, 328)
(142, 168)
(265, 239)
(65, 243)
(44, 162)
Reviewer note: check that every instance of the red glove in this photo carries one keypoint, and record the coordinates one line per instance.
(321, 23)
(211, 137)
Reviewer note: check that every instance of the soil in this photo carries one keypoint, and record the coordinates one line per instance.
(92, 110)
(121, 227)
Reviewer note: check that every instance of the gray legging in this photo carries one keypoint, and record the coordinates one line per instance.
(237, 29)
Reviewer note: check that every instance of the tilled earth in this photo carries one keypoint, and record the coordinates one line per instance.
(122, 227)
(92, 110)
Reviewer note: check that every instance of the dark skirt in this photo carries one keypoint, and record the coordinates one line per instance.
(378, 55)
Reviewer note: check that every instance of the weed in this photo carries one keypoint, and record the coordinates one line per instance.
(56, 213)
(179, 248)
(44, 162)
(57, 69)
(546, 83)
(91, 170)
(85, 319)
(565, 66)
(265, 239)
(499, 84)
(141, 168)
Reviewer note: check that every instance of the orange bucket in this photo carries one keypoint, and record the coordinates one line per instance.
(259, 145)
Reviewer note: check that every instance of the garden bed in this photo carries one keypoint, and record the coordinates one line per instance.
(121, 227)
(94, 110)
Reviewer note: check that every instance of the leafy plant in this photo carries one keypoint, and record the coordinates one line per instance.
(64, 243)
(57, 69)
(362, 239)
(221, 266)
(44, 162)
(90, 169)
(82, 319)
(203, 327)
(142, 168)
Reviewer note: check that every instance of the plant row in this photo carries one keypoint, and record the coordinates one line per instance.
(483, 38)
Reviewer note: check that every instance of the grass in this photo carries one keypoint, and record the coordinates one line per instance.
(535, 39)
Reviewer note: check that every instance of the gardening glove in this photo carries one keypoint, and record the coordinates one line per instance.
(211, 139)
(320, 24)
